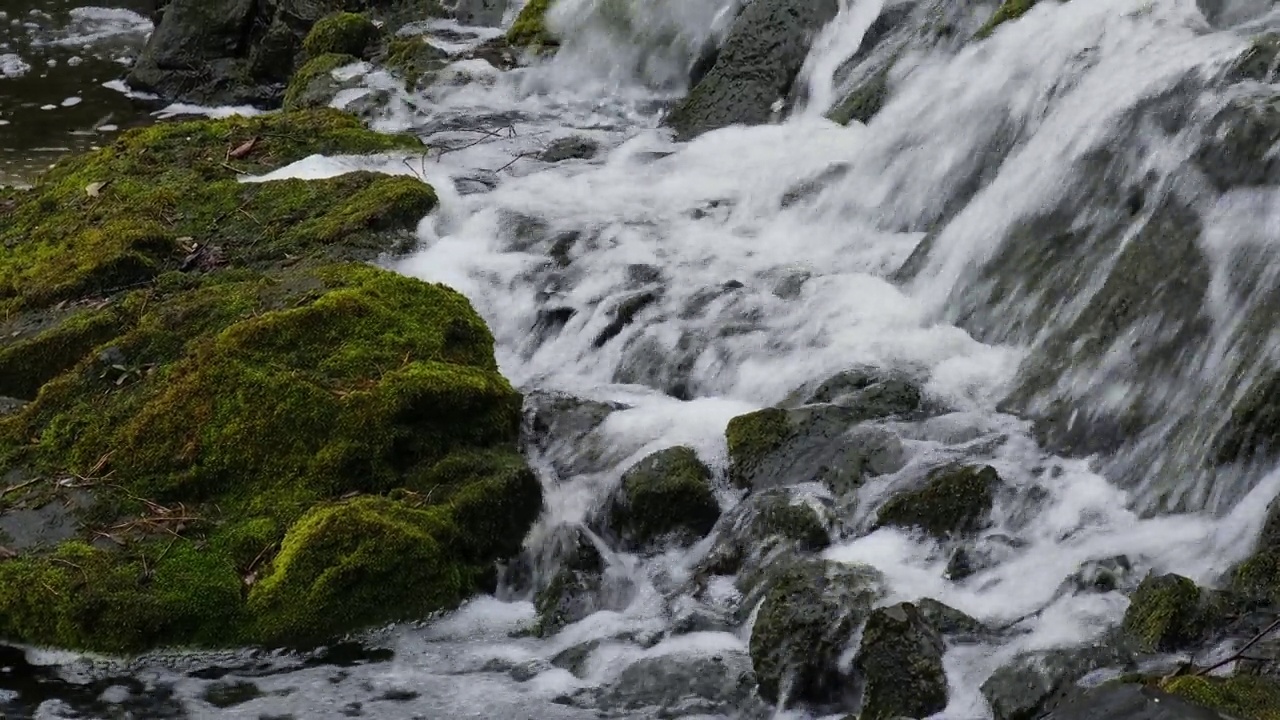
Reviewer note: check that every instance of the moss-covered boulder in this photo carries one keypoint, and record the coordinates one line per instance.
(666, 496)
(900, 661)
(808, 615)
(1008, 10)
(1258, 577)
(1170, 612)
(954, 501)
(530, 27)
(314, 85)
(1255, 698)
(575, 589)
(342, 33)
(864, 101)
(270, 443)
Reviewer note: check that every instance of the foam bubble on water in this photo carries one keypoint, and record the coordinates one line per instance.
(224, 111)
(92, 25)
(13, 66)
(72, 102)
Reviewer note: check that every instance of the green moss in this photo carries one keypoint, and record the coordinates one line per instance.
(752, 437)
(354, 563)
(312, 85)
(160, 593)
(900, 662)
(342, 33)
(530, 28)
(667, 493)
(1254, 698)
(1008, 10)
(27, 363)
(268, 394)
(800, 523)
(1164, 613)
(413, 59)
(175, 183)
(954, 501)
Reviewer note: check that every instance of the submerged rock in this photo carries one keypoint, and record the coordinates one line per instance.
(1033, 681)
(575, 590)
(955, 501)
(666, 497)
(570, 148)
(808, 615)
(683, 683)
(755, 67)
(1121, 701)
(299, 446)
(760, 525)
(900, 662)
(563, 428)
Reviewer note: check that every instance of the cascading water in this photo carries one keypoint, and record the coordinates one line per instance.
(678, 285)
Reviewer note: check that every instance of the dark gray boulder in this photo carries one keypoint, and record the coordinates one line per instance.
(900, 661)
(1115, 701)
(1034, 681)
(755, 68)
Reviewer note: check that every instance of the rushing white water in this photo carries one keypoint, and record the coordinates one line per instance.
(812, 297)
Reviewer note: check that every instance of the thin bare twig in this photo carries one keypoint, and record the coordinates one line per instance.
(1240, 653)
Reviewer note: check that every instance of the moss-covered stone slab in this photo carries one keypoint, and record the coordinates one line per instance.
(1256, 698)
(314, 85)
(170, 195)
(1008, 10)
(954, 501)
(266, 442)
(1168, 613)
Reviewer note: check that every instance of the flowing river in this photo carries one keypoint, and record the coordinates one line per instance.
(770, 258)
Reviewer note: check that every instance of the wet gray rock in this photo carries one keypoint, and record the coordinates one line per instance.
(237, 52)
(863, 101)
(900, 661)
(665, 498)
(562, 428)
(1115, 701)
(759, 525)
(481, 13)
(1034, 681)
(869, 452)
(873, 392)
(946, 619)
(578, 583)
(755, 67)
(808, 616)
(570, 148)
(1238, 143)
(683, 683)
(9, 406)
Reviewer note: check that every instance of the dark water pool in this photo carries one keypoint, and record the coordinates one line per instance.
(57, 58)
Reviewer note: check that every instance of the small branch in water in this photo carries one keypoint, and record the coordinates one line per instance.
(1240, 654)
(516, 159)
(19, 486)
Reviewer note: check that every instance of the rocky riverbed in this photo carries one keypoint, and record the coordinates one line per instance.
(584, 358)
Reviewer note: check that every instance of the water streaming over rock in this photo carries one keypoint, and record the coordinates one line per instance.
(1048, 232)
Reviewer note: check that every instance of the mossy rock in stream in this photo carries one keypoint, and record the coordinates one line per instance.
(413, 59)
(342, 33)
(1241, 696)
(314, 85)
(1169, 612)
(666, 496)
(276, 444)
(530, 27)
(954, 501)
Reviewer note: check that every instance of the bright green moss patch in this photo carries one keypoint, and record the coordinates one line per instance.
(117, 217)
(752, 437)
(530, 26)
(27, 363)
(161, 592)
(342, 33)
(1242, 696)
(313, 84)
(1008, 10)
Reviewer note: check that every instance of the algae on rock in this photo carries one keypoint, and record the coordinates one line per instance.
(297, 446)
(342, 33)
(667, 494)
(954, 501)
(530, 27)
